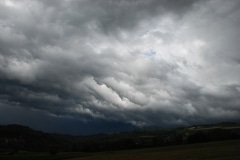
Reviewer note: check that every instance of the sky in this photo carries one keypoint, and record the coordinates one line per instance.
(96, 66)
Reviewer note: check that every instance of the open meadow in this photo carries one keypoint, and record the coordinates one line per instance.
(23, 155)
(222, 150)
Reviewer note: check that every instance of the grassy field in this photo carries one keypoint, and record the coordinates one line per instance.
(223, 150)
(23, 155)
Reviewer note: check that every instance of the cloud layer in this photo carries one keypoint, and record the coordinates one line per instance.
(141, 63)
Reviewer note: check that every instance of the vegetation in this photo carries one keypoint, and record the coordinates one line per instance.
(223, 150)
(18, 141)
(23, 155)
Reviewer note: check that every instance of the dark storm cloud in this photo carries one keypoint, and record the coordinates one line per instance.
(129, 62)
(113, 15)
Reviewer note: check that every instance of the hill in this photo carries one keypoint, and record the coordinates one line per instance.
(16, 137)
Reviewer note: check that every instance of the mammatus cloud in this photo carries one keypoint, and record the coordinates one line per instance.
(143, 63)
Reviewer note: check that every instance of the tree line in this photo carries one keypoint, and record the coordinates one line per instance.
(16, 137)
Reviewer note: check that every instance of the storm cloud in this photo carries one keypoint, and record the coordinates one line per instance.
(128, 62)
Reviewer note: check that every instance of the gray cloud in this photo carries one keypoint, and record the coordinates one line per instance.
(136, 63)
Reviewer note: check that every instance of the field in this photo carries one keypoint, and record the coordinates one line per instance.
(23, 155)
(223, 150)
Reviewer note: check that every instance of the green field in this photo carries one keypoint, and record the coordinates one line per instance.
(23, 155)
(223, 150)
